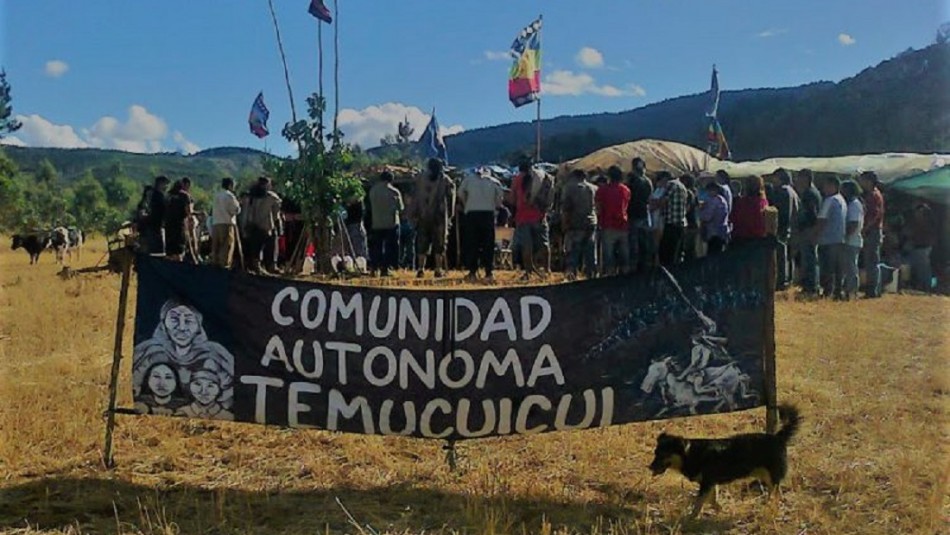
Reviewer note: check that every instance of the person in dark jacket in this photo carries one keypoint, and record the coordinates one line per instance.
(638, 216)
(787, 203)
(153, 217)
(804, 230)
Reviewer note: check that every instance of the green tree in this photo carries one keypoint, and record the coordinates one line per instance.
(47, 174)
(89, 205)
(12, 202)
(321, 178)
(8, 124)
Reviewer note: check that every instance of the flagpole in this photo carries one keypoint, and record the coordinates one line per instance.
(538, 118)
(320, 71)
(283, 58)
(336, 67)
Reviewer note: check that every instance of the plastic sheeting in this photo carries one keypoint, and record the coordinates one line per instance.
(679, 158)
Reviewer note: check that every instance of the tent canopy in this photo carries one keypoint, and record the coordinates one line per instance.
(679, 158)
(932, 185)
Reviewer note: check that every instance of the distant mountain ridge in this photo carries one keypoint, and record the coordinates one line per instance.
(900, 105)
(206, 167)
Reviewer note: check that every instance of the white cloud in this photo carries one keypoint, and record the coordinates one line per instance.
(568, 83)
(12, 141)
(771, 32)
(589, 57)
(56, 68)
(39, 132)
(492, 55)
(846, 39)
(142, 131)
(367, 126)
(185, 146)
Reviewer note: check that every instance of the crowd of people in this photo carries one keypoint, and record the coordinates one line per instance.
(608, 223)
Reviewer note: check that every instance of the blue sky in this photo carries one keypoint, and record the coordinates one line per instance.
(181, 74)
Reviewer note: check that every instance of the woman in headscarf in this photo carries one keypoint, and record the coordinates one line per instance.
(180, 339)
(161, 391)
(208, 385)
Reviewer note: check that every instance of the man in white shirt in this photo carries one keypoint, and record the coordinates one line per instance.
(224, 224)
(480, 195)
(831, 238)
(853, 240)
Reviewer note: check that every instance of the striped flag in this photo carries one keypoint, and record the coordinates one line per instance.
(713, 108)
(716, 140)
(524, 81)
(319, 9)
(257, 119)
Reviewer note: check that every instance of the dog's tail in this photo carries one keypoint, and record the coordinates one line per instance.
(790, 419)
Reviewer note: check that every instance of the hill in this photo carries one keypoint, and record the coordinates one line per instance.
(900, 105)
(205, 168)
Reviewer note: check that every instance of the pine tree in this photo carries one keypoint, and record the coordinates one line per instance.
(7, 124)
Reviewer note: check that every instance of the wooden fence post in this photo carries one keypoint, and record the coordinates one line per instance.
(127, 260)
(768, 365)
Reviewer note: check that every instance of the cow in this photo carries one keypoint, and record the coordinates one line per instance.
(34, 244)
(64, 241)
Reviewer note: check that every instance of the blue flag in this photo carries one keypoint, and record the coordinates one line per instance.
(257, 119)
(713, 108)
(433, 146)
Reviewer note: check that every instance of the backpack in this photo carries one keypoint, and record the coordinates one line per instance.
(542, 196)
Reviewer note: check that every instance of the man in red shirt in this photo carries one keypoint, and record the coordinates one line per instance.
(613, 200)
(873, 232)
(530, 194)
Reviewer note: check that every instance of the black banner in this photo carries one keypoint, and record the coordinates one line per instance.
(452, 364)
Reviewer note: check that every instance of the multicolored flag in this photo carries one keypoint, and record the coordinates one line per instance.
(319, 9)
(524, 81)
(716, 139)
(433, 146)
(258, 117)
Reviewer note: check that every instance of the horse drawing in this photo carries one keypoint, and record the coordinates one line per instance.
(675, 392)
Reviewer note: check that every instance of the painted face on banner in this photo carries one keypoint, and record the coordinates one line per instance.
(162, 381)
(182, 325)
(204, 390)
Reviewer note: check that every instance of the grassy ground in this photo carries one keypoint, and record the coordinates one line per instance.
(873, 456)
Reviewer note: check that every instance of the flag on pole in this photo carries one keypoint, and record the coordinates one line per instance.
(717, 140)
(319, 9)
(713, 109)
(433, 146)
(524, 81)
(258, 117)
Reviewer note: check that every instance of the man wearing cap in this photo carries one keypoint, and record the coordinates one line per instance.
(385, 204)
(480, 195)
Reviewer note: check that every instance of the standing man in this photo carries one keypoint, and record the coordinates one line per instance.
(638, 217)
(530, 195)
(262, 227)
(853, 237)
(224, 224)
(805, 233)
(481, 195)
(433, 209)
(831, 227)
(613, 202)
(873, 232)
(178, 213)
(579, 222)
(674, 221)
(153, 217)
(786, 202)
(385, 205)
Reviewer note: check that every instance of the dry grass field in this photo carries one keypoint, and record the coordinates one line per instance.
(873, 456)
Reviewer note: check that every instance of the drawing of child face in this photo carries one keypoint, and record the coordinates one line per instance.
(205, 390)
(182, 325)
(162, 381)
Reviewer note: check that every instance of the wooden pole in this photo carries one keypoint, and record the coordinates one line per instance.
(320, 74)
(336, 67)
(768, 365)
(117, 356)
(283, 59)
(538, 118)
